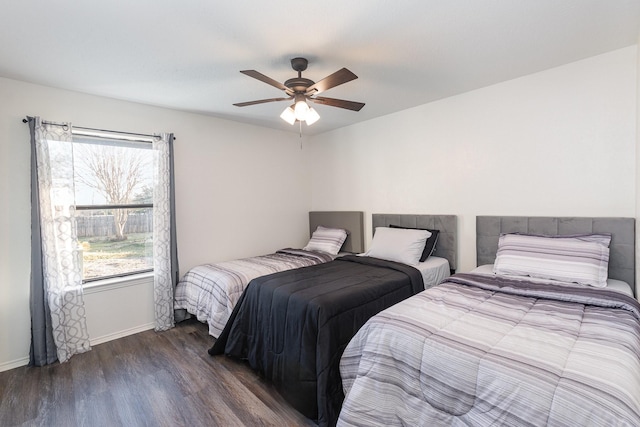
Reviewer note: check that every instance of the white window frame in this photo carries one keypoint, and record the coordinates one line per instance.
(125, 279)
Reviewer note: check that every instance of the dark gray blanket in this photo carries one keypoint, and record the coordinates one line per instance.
(293, 326)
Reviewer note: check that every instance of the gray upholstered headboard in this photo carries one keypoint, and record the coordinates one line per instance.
(446, 247)
(622, 254)
(352, 221)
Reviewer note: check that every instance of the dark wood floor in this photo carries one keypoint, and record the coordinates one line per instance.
(146, 379)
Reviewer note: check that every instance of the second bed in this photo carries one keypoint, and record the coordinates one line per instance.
(293, 326)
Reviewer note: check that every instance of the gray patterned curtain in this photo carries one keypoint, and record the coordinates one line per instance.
(57, 303)
(165, 257)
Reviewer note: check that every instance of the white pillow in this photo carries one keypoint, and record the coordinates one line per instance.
(328, 240)
(576, 259)
(398, 244)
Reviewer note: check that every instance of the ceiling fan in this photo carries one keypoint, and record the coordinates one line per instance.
(302, 90)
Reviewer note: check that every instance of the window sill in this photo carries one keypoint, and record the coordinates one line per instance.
(118, 282)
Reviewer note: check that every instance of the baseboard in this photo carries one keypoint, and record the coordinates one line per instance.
(120, 334)
(6, 366)
(12, 364)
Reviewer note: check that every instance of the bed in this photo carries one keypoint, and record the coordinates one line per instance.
(210, 291)
(493, 349)
(292, 326)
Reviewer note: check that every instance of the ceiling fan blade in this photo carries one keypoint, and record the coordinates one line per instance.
(340, 103)
(333, 80)
(261, 101)
(263, 78)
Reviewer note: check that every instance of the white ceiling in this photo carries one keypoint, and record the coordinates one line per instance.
(186, 54)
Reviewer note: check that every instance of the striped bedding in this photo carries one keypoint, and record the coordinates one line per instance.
(581, 259)
(210, 291)
(483, 350)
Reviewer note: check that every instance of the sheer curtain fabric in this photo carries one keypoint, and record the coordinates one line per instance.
(164, 243)
(59, 256)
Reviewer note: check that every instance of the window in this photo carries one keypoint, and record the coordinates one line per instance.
(113, 206)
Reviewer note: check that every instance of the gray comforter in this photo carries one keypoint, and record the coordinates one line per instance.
(481, 350)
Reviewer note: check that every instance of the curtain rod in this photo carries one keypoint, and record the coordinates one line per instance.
(25, 120)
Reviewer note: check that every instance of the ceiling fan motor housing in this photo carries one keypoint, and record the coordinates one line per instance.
(298, 84)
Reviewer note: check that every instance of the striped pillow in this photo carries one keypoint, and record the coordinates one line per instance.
(582, 259)
(328, 240)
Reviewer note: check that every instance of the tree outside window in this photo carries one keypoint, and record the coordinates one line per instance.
(113, 204)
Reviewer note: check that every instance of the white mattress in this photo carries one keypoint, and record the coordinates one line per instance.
(612, 284)
(434, 270)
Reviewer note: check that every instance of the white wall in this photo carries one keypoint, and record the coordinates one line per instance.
(119, 309)
(638, 170)
(240, 190)
(558, 142)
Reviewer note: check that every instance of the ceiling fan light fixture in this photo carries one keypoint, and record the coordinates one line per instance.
(312, 116)
(301, 108)
(288, 115)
